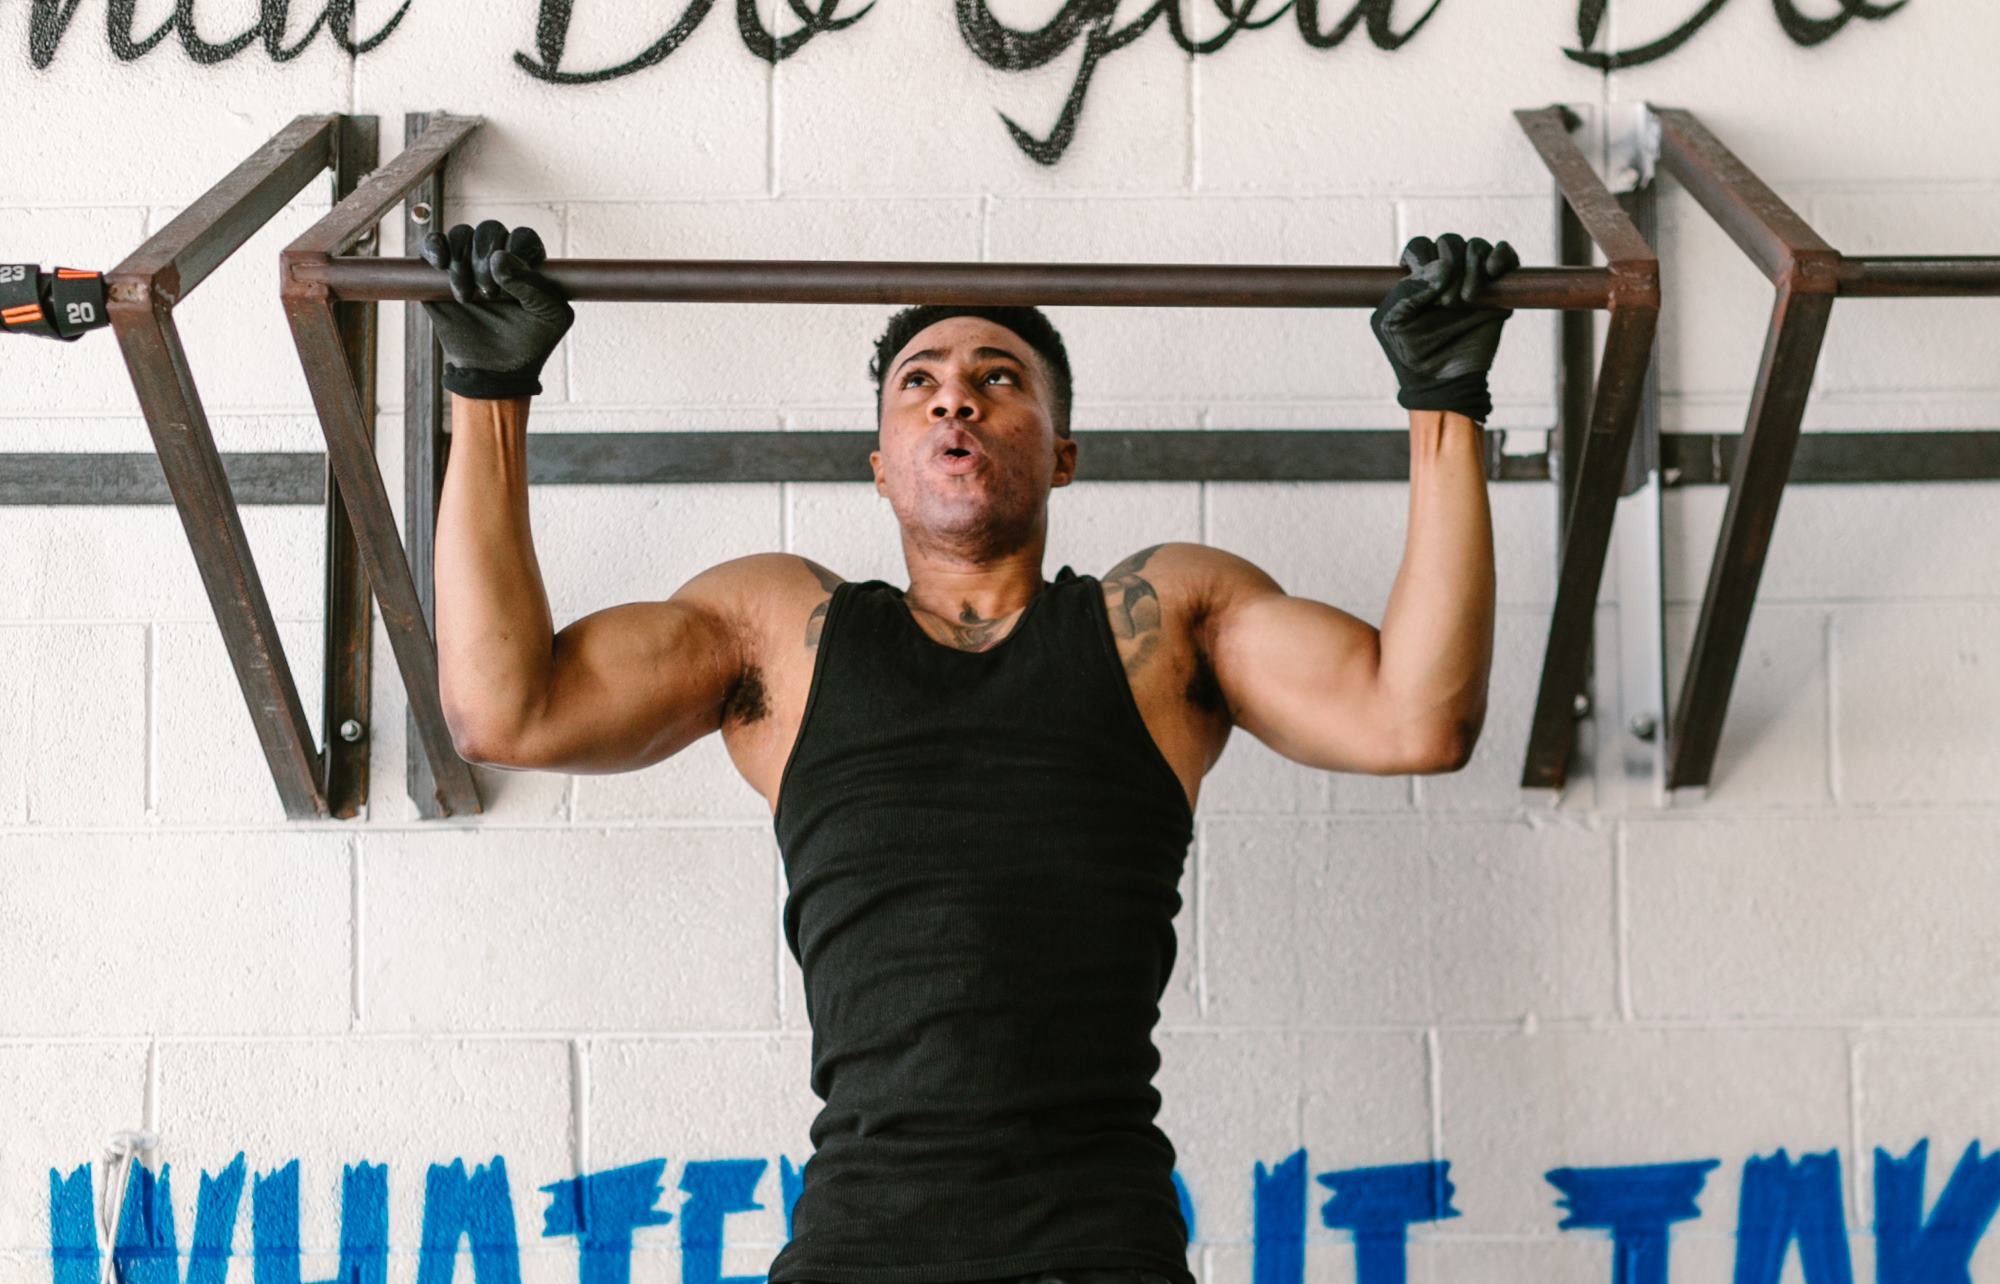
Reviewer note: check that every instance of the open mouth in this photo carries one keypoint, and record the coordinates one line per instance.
(958, 459)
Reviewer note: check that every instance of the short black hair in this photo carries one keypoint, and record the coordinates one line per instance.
(1034, 328)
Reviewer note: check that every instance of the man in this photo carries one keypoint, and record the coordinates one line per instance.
(983, 785)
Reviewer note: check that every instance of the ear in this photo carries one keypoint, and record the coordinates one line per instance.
(875, 466)
(1065, 462)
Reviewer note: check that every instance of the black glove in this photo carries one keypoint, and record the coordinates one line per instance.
(1440, 345)
(507, 319)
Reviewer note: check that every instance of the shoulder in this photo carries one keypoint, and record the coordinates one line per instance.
(1196, 585)
(1201, 576)
(762, 592)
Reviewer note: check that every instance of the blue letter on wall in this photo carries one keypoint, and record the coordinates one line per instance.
(1912, 1250)
(479, 1208)
(72, 1228)
(1278, 1239)
(1782, 1201)
(1636, 1205)
(146, 1250)
(1378, 1205)
(715, 1189)
(364, 1225)
(601, 1210)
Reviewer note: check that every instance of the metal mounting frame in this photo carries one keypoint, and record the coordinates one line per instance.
(1594, 426)
(143, 291)
(1808, 275)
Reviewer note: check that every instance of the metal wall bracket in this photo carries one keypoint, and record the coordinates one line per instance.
(1808, 275)
(1593, 438)
(144, 290)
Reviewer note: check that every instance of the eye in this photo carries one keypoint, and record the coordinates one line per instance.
(918, 374)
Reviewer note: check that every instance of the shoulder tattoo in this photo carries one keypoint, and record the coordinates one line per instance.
(1134, 608)
(827, 582)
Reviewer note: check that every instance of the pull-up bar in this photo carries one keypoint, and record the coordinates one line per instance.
(1130, 285)
(330, 282)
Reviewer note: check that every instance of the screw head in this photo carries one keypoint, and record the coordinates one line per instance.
(350, 731)
(1644, 725)
(1581, 705)
(420, 212)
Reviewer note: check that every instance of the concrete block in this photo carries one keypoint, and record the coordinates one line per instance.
(1916, 691)
(1852, 916)
(1364, 1099)
(1207, 355)
(64, 1102)
(168, 135)
(741, 356)
(600, 546)
(1773, 750)
(1920, 1085)
(1366, 920)
(1448, 80)
(208, 765)
(233, 328)
(703, 1100)
(76, 724)
(897, 105)
(695, 123)
(129, 933)
(624, 939)
(408, 1104)
(1518, 1105)
(1860, 541)
(1886, 345)
(1739, 64)
(1714, 308)
(1228, 1100)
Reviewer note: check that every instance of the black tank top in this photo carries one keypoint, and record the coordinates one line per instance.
(983, 852)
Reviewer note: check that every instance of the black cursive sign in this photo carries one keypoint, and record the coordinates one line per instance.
(1802, 29)
(992, 41)
(50, 20)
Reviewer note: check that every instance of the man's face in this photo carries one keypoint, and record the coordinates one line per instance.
(967, 449)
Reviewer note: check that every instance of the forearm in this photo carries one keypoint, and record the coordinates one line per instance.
(495, 635)
(1437, 631)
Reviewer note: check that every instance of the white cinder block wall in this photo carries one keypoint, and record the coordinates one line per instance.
(591, 975)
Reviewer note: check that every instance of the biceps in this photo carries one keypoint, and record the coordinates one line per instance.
(631, 685)
(1302, 677)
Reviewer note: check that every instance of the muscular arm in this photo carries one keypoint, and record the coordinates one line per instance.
(1325, 688)
(494, 631)
(616, 690)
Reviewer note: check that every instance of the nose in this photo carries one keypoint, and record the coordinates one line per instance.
(953, 399)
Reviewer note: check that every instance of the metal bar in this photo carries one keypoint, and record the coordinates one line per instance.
(424, 447)
(142, 292)
(259, 478)
(1586, 537)
(344, 716)
(1906, 275)
(1600, 454)
(1756, 485)
(1549, 130)
(351, 451)
(1637, 536)
(178, 257)
(362, 211)
(107, 479)
(1045, 284)
(1767, 229)
(1807, 272)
